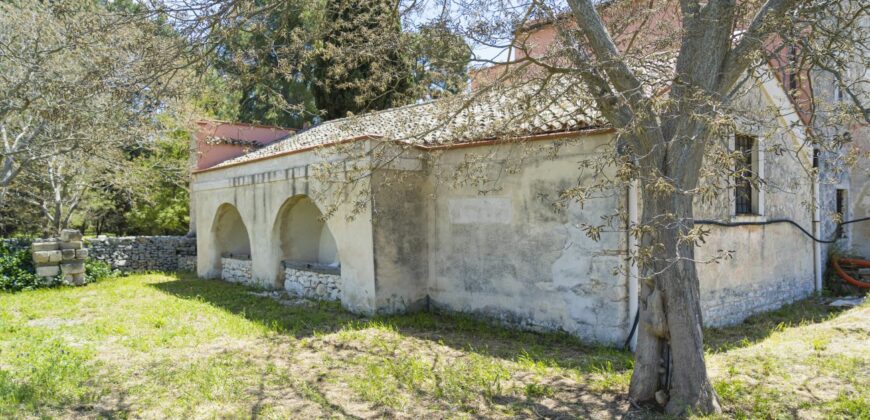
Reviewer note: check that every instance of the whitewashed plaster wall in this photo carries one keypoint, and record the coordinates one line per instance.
(508, 254)
(259, 191)
(511, 255)
(769, 265)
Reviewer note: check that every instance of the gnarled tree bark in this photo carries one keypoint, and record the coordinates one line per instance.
(668, 146)
(670, 361)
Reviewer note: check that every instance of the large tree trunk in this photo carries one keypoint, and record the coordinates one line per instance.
(669, 360)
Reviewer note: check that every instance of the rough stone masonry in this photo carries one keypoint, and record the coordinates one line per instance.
(145, 253)
(61, 256)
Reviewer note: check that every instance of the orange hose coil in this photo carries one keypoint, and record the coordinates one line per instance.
(846, 277)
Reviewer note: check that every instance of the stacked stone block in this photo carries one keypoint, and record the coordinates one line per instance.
(312, 281)
(64, 256)
(186, 252)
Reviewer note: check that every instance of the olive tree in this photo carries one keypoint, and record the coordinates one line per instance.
(702, 56)
(76, 75)
(669, 77)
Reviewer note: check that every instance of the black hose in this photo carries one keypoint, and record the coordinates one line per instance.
(773, 221)
(732, 224)
(633, 327)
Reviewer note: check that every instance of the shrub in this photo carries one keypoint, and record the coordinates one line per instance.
(96, 270)
(16, 270)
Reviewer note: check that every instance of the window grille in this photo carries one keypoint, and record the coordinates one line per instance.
(841, 212)
(743, 184)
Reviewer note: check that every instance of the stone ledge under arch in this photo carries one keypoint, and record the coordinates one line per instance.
(233, 245)
(313, 281)
(310, 262)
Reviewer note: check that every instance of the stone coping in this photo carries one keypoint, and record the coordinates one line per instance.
(313, 267)
(240, 257)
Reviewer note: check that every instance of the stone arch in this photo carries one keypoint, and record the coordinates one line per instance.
(232, 244)
(307, 248)
(303, 235)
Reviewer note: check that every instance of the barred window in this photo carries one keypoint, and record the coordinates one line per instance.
(841, 212)
(743, 189)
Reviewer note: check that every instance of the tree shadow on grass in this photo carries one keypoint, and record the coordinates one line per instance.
(460, 332)
(299, 321)
(759, 327)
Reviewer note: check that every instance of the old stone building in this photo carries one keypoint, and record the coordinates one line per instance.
(456, 205)
(844, 191)
(415, 236)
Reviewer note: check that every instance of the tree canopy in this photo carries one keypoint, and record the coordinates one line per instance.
(359, 63)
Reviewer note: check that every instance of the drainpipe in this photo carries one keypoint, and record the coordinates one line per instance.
(632, 269)
(817, 232)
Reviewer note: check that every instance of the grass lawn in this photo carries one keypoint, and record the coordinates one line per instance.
(166, 346)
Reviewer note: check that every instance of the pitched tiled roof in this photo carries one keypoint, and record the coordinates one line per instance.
(493, 114)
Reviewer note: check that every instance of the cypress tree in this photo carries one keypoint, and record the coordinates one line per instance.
(361, 63)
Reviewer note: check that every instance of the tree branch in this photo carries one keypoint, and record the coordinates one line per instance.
(741, 57)
(602, 45)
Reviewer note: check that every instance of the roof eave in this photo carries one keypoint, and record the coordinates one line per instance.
(589, 131)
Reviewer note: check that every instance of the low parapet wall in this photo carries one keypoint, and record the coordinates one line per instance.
(236, 269)
(145, 253)
(313, 281)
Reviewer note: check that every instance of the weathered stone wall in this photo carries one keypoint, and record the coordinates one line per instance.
(770, 265)
(260, 192)
(732, 305)
(514, 255)
(859, 196)
(835, 174)
(187, 263)
(236, 270)
(321, 282)
(401, 241)
(144, 253)
(512, 249)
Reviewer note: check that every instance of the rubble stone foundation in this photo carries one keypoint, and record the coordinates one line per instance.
(312, 281)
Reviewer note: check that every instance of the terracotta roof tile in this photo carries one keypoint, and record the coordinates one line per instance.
(520, 111)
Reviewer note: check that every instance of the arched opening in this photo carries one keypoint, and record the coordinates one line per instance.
(232, 244)
(309, 253)
(305, 238)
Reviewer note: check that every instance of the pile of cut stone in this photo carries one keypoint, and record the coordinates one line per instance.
(64, 256)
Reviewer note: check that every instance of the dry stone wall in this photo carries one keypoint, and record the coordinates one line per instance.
(312, 281)
(236, 269)
(145, 253)
(187, 262)
(64, 256)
